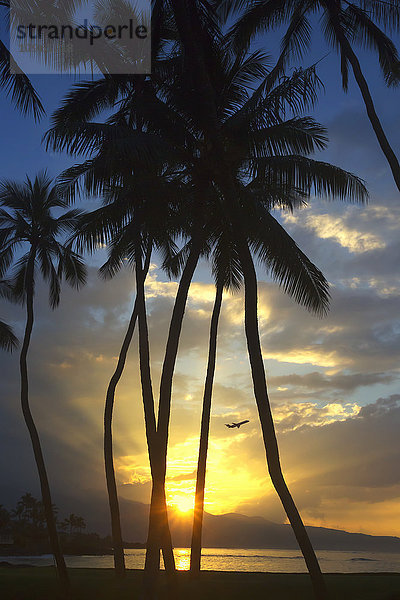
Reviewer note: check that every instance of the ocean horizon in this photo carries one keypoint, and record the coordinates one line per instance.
(238, 560)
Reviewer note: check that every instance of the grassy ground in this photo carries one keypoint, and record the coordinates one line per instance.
(39, 583)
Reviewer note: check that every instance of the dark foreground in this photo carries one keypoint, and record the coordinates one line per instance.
(39, 583)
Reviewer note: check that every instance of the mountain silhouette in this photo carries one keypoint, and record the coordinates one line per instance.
(234, 530)
(230, 530)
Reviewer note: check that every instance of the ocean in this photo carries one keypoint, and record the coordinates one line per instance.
(228, 559)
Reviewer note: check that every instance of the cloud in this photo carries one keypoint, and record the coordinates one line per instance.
(360, 332)
(184, 476)
(327, 226)
(343, 474)
(291, 416)
(319, 384)
(381, 407)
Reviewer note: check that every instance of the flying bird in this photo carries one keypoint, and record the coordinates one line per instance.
(236, 424)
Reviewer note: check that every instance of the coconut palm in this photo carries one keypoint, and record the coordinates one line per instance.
(344, 25)
(246, 148)
(27, 223)
(261, 116)
(117, 143)
(138, 213)
(195, 553)
(14, 82)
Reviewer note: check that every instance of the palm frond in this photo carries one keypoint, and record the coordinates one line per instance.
(289, 266)
(18, 86)
(8, 341)
(373, 38)
(323, 179)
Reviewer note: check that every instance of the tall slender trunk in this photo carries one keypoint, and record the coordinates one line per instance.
(37, 449)
(195, 554)
(162, 535)
(119, 560)
(158, 508)
(369, 105)
(267, 424)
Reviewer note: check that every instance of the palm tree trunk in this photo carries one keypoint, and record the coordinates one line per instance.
(161, 536)
(158, 508)
(37, 449)
(188, 28)
(195, 554)
(119, 560)
(369, 105)
(267, 424)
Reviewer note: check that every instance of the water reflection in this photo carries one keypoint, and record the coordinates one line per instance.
(229, 559)
(182, 559)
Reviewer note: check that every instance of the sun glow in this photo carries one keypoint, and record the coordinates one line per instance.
(181, 503)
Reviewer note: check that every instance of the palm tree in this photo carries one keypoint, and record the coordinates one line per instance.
(28, 223)
(73, 523)
(137, 213)
(237, 127)
(262, 125)
(15, 83)
(344, 24)
(74, 132)
(118, 145)
(195, 554)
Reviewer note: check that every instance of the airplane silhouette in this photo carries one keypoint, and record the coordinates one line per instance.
(236, 424)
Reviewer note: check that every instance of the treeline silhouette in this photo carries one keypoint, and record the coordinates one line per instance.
(23, 530)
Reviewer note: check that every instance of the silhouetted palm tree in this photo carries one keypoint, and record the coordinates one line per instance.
(198, 512)
(263, 138)
(74, 132)
(344, 24)
(27, 222)
(255, 139)
(14, 82)
(119, 144)
(137, 216)
(74, 523)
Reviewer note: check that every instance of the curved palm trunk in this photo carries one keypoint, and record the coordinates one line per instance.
(267, 424)
(119, 560)
(195, 554)
(37, 449)
(371, 112)
(118, 546)
(162, 535)
(158, 521)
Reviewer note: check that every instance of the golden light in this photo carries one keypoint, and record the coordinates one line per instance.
(181, 503)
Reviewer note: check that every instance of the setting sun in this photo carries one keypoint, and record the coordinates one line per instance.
(183, 504)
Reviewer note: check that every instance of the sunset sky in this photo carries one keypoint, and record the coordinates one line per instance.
(334, 382)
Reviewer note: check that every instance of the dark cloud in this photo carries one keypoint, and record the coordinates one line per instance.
(340, 381)
(381, 407)
(360, 332)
